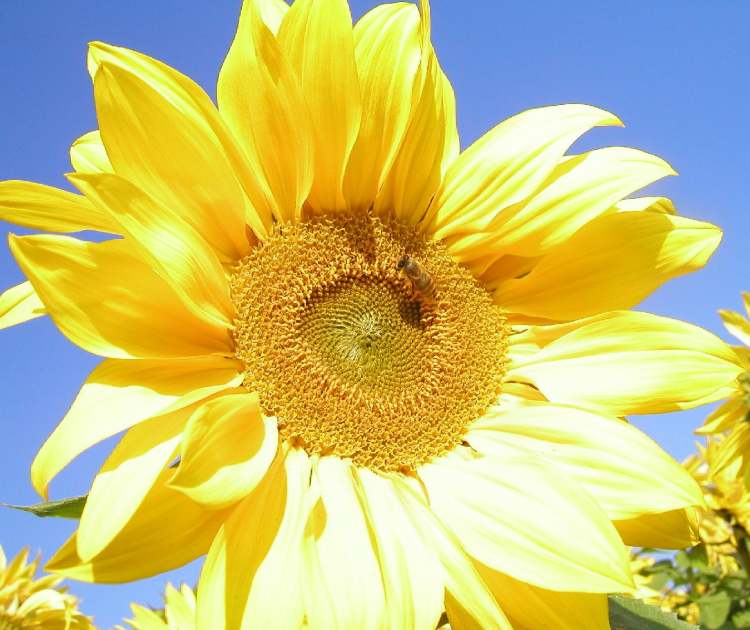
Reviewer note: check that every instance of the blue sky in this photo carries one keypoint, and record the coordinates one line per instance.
(674, 71)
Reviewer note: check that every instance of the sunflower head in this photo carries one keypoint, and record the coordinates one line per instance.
(350, 357)
(28, 603)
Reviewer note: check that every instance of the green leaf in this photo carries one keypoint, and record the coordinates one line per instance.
(633, 614)
(741, 619)
(699, 558)
(64, 508)
(714, 609)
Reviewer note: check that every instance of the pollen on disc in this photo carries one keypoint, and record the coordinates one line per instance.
(348, 359)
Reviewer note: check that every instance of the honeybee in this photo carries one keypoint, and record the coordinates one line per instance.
(421, 283)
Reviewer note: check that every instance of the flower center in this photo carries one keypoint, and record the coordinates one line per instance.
(354, 356)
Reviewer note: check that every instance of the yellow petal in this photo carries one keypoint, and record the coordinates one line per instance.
(625, 471)
(177, 252)
(264, 530)
(180, 608)
(518, 515)
(387, 51)
(168, 531)
(344, 585)
(532, 607)
(19, 304)
(465, 591)
(733, 450)
(429, 146)
(743, 354)
(317, 38)
(163, 133)
(646, 204)
(88, 155)
(411, 572)
(626, 362)
(226, 450)
(126, 477)
(737, 325)
(506, 166)
(614, 262)
(130, 391)
(145, 619)
(273, 12)
(676, 529)
(260, 98)
(41, 207)
(724, 417)
(111, 303)
(581, 188)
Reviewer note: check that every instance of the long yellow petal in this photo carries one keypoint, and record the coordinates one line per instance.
(41, 207)
(131, 391)
(125, 478)
(507, 165)
(177, 252)
(110, 302)
(625, 471)
(506, 524)
(411, 572)
(581, 188)
(737, 325)
(676, 529)
(614, 262)
(626, 362)
(531, 607)
(318, 40)
(251, 538)
(429, 146)
(19, 304)
(344, 587)
(168, 531)
(260, 98)
(226, 450)
(88, 155)
(466, 593)
(387, 51)
(163, 133)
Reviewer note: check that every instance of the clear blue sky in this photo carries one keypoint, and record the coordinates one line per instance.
(674, 71)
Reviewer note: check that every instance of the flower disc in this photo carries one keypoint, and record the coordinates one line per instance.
(349, 358)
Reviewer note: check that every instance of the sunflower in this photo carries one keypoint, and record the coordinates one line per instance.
(42, 604)
(178, 613)
(372, 377)
(732, 418)
(726, 516)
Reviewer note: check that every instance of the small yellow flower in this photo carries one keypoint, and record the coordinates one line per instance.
(27, 603)
(178, 613)
(353, 444)
(733, 417)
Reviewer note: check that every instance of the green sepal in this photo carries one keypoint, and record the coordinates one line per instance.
(71, 507)
(633, 614)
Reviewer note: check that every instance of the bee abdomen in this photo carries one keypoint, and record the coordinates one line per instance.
(421, 281)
